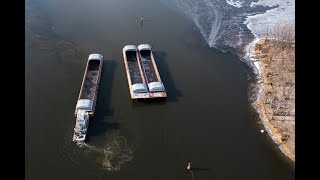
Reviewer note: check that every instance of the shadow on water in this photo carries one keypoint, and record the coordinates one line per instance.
(200, 169)
(149, 101)
(196, 171)
(141, 20)
(173, 93)
(97, 124)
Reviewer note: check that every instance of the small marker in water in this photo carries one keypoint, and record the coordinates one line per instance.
(262, 131)
(189, 166)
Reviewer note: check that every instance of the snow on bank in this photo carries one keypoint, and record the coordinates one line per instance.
(250, 56)
(283, 12)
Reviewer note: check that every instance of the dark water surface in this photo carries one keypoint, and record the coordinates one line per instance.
(206, 118)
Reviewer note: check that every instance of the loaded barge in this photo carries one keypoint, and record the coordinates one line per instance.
(142, 73)
(136, 81)
(155, 86)
(87, 99)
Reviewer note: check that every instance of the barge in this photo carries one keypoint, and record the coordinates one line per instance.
(87, 99)
(155, 86)
(136, 80)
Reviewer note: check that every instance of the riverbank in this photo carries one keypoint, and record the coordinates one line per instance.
(275, 63)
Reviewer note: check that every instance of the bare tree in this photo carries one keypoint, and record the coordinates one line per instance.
(277, 55)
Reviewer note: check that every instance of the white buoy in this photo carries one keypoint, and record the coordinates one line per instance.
(262, 131)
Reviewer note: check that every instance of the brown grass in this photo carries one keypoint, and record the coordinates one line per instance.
(276, 101)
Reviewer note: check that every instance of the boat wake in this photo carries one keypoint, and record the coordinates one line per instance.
(233, 24)
(115, 154)
(205, 15)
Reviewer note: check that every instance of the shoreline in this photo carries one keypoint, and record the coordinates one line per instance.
(254, 55)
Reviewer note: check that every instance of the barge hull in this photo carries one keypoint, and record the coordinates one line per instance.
(134, 71)
(90, 83)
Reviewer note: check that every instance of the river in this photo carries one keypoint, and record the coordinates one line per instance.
(207, 117)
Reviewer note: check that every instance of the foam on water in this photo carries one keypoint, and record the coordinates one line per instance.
(220, 22)
(205, 16)
(113, 155)
(233, 24)
(235, 3)
(236, 25)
